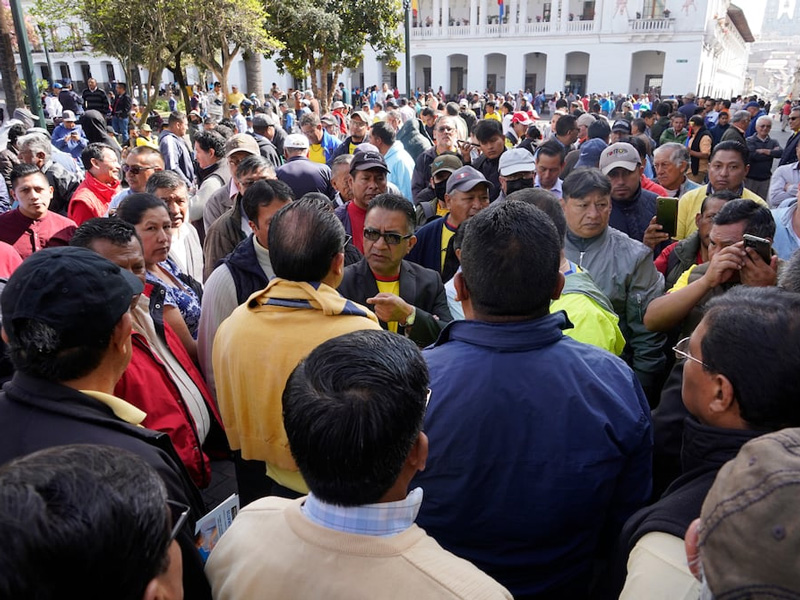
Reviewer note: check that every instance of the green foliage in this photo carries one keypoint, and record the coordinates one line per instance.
(330, 35)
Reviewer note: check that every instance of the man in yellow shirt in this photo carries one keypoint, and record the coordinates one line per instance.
(235, 97)
(491, 112)
(727, 169)
(259, 345)
(406, 297)
(322, 144)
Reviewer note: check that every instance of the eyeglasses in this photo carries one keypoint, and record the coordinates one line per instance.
(179, 513)
(135, 169)
(445, 129)
(681, 350)
(373, 235)
(347, 240)
(793, 118)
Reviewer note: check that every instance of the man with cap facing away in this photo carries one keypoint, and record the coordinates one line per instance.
(466, 194)
(633, 209)
(730, 402)
(745, 543)
(368, 173)
(407, 298)
(358, 517)
(430, 201)
(300, 173)
(67, 324)
(540, 446)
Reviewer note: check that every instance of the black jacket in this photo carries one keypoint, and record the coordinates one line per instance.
(243, 265)
(419, 286)
(37, 414)
(633, 216)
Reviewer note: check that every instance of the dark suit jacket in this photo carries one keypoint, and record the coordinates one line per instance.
(790, 152)
(420, 287)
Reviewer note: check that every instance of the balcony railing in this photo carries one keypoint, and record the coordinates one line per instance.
(503, 30)
(651, 25)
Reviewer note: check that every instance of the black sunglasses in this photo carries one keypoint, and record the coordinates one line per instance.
(373, 235)
(135, 169)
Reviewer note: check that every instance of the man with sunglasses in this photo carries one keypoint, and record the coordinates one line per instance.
(140, 164)
(727, 401)
(407, 298)
(789, 152)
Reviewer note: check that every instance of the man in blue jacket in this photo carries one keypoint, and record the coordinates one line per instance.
(540, 446)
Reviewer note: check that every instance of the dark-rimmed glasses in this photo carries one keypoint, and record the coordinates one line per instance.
(373, 235)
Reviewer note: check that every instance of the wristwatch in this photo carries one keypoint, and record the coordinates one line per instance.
(410, 318)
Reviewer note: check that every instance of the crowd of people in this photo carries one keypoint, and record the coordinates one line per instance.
(453, 349)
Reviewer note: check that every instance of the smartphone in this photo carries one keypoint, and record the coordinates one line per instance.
(761, 245)
(667, 214)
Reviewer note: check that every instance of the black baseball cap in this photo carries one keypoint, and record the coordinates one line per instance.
(363, 161)
(75, 291)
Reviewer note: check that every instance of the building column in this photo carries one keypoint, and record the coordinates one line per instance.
(476, 72)
(436, 17)
(439, 73)
(523, 13)
(564, 16)
(371, 68)
(556, 72)
(482, 29)
(445, 13)
(511, 11)
(515, 71)
(473, 16)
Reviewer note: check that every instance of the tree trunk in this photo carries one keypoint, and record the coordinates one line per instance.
(8, 65)
(253, 75)
(177, 72)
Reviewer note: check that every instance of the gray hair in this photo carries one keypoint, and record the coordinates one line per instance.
(35, 143)
(764, 119)
(741, 115)
(678, 153)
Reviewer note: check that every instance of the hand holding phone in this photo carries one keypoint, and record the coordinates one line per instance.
(761, 245)
(667, 215)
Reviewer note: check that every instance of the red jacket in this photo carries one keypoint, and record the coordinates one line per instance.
(147, 385)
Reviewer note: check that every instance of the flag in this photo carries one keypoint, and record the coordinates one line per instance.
(501, 8)
(414, 7)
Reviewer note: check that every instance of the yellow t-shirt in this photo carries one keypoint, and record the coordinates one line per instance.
(447, 233)
(316, 154)
(235, 98)
(389, 287)
(494, 117)
(353, 148)
(683, 280)
(691, 202)
(441, 211)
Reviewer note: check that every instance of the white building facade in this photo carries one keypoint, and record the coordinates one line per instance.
(580, 45)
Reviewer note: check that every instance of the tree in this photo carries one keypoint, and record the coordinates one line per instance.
(223, 28)
(12, 86)
(146, 33)
(323, 38)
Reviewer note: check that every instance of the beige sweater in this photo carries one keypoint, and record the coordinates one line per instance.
(273, 551)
